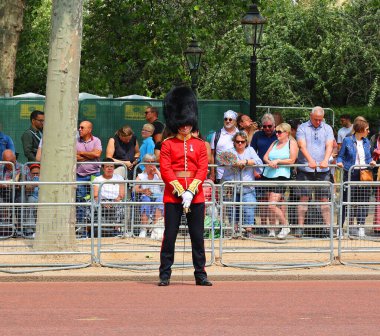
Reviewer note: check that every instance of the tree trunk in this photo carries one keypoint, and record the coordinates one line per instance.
(11, 17)
(56, 225)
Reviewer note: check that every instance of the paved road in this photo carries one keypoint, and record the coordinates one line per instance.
(228, 308)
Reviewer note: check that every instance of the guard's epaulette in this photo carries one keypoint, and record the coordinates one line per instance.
(169, 137)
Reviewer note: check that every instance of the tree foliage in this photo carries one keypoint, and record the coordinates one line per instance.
(32, 56)
(314, 51)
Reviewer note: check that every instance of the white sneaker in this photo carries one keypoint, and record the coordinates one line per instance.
(142, 233)
(283, 233)
(361, 232)
(272, 233)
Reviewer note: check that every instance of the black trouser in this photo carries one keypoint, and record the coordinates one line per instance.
(359, 195)
(195, 223)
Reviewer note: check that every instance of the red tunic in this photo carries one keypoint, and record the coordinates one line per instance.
(178, 156)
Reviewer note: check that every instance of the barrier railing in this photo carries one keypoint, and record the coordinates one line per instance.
(360, 226)
(113, 238)
(50, 227)
(140, 245)
(262, 246)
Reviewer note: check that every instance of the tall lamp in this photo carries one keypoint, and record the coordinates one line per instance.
(253, 24)
(193, 56)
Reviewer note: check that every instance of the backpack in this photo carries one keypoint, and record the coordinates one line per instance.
(216, 139)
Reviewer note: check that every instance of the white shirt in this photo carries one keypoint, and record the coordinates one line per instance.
(154, 188)
(109, 190)
(342, 133)
(360, 157)
(224, 144)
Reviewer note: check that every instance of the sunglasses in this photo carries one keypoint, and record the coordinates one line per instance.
(240, 142)
(228, 119)
(279, 132)
(267, 126)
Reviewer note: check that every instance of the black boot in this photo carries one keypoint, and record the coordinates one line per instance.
(203, 282)
(164, 282)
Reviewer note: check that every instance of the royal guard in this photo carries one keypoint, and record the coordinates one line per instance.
(183, 165)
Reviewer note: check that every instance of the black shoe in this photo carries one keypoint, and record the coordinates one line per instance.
(164, 282)
(203, 282)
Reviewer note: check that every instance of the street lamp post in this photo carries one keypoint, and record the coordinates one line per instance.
(193, 59)
(253, 24)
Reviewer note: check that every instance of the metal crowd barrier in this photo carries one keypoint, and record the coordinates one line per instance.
(137, 242)
(111, 238)
(44, 231)
(359, 243)
(255, 243)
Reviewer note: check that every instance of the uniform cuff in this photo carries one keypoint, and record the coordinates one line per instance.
(178, 189)
(193, 187)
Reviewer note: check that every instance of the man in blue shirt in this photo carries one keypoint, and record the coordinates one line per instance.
(262, 140)
(315, 139)
(6, 142)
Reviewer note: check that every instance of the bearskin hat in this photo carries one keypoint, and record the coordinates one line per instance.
(180, 108)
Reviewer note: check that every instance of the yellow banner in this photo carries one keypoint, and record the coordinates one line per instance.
(27, 109)
(134, 112)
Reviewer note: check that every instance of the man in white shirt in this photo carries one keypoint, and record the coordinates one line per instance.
(345, 121)
(222, 141)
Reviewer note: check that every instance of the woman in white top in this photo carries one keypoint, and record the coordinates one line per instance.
(110, 192)
(243, 170)
(283, 151)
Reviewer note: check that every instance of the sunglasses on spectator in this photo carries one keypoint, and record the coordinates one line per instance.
(267, 126)
(40, 120)
(279, 132)
(240, 141)
(228, 119)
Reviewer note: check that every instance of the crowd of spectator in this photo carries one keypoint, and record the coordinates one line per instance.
(273, 145)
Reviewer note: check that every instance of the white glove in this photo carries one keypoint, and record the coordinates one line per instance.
(187, 197)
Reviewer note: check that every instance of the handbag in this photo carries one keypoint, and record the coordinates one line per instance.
(366, 175)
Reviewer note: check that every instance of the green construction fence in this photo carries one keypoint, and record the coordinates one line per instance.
(108, 115)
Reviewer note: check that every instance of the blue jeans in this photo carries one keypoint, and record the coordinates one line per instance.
(248, 210)
(150, 209)
(82, 191)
